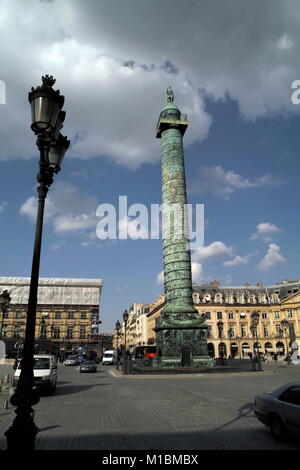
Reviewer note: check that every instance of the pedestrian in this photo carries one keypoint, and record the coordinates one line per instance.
(275, 357)
(15, 364)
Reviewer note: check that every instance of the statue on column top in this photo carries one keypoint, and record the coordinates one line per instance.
(170, 95)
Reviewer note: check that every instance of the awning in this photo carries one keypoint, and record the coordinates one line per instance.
(280, 349)
(269, 349)
(234, 346)
(246, 349)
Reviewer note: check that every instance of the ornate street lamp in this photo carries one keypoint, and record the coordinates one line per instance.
(285, 326)
(47, 120)
(118, 334)
(254, 330)
(5, 303)
(125, 319)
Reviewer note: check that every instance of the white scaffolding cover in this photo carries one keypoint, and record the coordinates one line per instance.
(59, 291)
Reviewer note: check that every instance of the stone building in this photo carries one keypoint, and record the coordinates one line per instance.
(67, 314)
(227, 311)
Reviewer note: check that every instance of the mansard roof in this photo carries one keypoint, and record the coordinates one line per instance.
(283, 290)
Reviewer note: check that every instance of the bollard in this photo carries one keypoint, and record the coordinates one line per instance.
(5, 406)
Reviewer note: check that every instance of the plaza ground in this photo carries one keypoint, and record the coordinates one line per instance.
(106, 410)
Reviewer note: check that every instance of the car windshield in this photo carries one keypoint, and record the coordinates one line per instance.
(41, 363)
(108, 355)
(88, 363)
(72, 358)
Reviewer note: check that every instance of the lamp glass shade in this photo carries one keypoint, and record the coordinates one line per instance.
(46, 104)
(125, 316)
(59, 124)
(57, 152)
(44, 114)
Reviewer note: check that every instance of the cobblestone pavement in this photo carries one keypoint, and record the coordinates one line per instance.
(184, 412)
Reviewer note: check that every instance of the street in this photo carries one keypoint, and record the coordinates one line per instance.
(106, 410)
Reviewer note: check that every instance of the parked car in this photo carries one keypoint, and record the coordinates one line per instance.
(72, 361)
(88, 366)
(44, 372)
(110, 357)
(280, 410)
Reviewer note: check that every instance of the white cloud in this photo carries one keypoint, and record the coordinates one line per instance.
(264, 230)
(213, 251)
(197, 274)
(121, 288)
(66, 209)
(272, 258)
(216, 181)
(3, 205)
(285, 42)
(238, 50)
(236, 261)
(160, 278)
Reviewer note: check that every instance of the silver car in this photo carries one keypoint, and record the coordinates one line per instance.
(280, 410)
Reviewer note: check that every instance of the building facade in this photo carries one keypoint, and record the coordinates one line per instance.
(67, 314)
(228, 310)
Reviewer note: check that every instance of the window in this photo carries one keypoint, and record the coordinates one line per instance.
(4, 332)
(16, 332)
(264, 315)
(266, 331)
(57, 315)
(5, 314)
(292, 395)
(231, 331)
(70, 332)
(209, 332)
(244, 331)
(278, 330)
(70, 316)
(230, 315)
(43, 332)
(83, 316)
(219, 315)
(207, 315)
(289, 313)
(18, 314)
(82, 334)
(276, 315)
(56, 332)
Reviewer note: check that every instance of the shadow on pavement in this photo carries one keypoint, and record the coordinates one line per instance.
(245, 411)
(239, 439)
(67, 389)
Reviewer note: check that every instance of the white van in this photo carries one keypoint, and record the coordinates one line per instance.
(110, 357)
(44, 371)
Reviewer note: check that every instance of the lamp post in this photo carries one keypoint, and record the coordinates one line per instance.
(230, 335)
(254, 330)
(47, 121)
(284, 326)
(4, 302)
(118, 333)
(125, 318)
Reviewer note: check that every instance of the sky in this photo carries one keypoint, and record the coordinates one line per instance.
(231, 65)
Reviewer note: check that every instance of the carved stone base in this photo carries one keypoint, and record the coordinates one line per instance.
(182, 341)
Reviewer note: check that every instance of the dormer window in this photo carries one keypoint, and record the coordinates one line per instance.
(207, 298)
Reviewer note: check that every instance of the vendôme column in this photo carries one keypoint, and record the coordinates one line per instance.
(180, 331)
